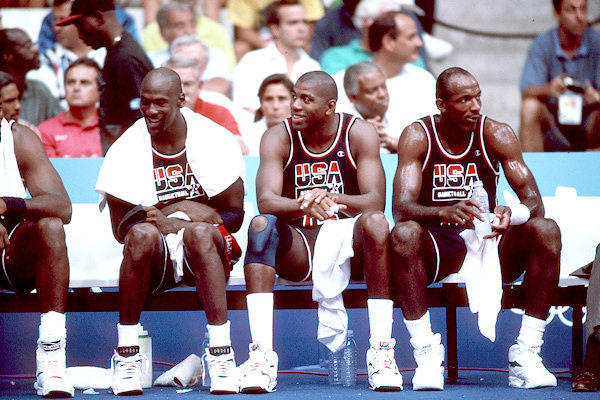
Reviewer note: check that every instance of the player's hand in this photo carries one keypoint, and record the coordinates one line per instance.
(199, 212)
(158, 219)
(557, 86)
(501, 221)
(319, 204)
(460, 214)
(4, 242)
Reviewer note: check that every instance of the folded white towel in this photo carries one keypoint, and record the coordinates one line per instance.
(212, 152)
(483, 280)
(331, 274)
(11, 183)
(175, 245)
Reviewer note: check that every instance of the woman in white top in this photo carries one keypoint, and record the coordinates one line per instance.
(275, 105)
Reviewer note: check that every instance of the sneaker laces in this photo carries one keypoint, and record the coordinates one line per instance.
(222, 365)
(126, 367)
(52, 359)
(384, 360)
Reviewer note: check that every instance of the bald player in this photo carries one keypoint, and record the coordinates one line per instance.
(173, 206)
(318, 169)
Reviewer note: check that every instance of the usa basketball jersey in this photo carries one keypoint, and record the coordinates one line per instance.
(174, 179)
(333, 169)
(448, 178)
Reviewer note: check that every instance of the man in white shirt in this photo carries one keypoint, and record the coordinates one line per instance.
(365, 86)
(394, 41)
(286, 19)
(177, 19)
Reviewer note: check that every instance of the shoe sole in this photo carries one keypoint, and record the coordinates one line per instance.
(254, 390)
(56, 395)
(386, 388)
(223, 391)
(134, 392)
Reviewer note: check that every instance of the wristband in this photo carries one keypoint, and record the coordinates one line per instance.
(519, 214)
(15, 207)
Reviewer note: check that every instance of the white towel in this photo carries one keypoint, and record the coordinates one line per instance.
(331, 274)
(212, 151)
(175, 246)
(483, 280)
(11, 183)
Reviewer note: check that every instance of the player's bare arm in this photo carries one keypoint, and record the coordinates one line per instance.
(274, 151)
(504, 147)
(364, 144)
(48, 195)
(412, 149)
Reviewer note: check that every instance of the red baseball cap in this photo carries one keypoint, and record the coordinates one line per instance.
(83, 7)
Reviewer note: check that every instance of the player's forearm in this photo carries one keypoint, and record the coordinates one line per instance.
(360, 203)
(411, 211)
(48, 205)
(279, 206)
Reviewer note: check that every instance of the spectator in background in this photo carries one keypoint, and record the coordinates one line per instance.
(10, 105)
(275, 98)
(48, 37)
(190, 74)
(560, 84)
(177, 19)
(286, 19)
(246, 18)
(211, 32)
(18, 56)
(338, 58)
(336, 28)
(68, 48)
(74, 133)
(125, 65)
(365, 86)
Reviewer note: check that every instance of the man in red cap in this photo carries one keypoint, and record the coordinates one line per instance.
(125, 65)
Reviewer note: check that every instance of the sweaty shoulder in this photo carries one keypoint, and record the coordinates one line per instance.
(413, 141)
(363, 137)
(499, 138)
(275, 141)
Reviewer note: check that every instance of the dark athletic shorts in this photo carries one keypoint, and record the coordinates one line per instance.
(5, 281)
(450, 251)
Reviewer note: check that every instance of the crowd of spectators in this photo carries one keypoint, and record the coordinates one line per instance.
(237, 44)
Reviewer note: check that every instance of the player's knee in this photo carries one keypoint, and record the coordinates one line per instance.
(142, 236)
(51, 230)
(406, 235)
(375, 226)
(531, 109)
(547, 232)
(199, 236)
(263, 240)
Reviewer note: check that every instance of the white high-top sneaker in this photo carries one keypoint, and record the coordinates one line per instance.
(51, 371)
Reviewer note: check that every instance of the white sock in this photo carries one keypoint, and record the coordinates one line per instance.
(420, 328)
(128, 335)
(381, 318)
(532, 331)
(219, 335)
(260, 317)
(53, 326)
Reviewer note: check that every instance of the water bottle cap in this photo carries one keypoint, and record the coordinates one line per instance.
(143, 332)
(350, 333)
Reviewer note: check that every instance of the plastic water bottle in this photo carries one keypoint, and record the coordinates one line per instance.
(482, 228)
(146, 349)
(205, 374)
(348, 374)
(335, 367)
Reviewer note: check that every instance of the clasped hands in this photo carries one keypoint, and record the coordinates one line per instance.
(320, 204)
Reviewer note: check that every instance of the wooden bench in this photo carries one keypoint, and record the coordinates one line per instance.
(95, 257)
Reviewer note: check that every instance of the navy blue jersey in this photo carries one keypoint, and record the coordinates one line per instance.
(333, 169)
(448, 178)
(174, 179)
